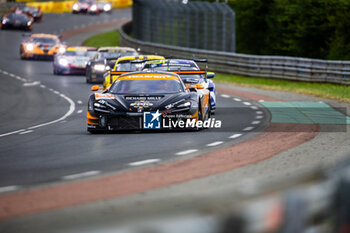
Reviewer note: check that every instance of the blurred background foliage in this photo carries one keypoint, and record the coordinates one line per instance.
(302, 28)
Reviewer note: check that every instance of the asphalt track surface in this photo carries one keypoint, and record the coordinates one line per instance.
(43, 137)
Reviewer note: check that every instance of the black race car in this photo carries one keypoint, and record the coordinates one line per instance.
(148, 100)
(17, 21)
(31, 11)
(103, 60)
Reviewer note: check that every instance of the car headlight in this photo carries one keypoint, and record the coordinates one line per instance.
(98, 105)
(29, 23)
(4, 21)
(177, 105)
(63, 62)
(30, 47)
(61, 49)
(99, 67)
(107, 7)
(75, 7)
(93, 8)
(184, 105)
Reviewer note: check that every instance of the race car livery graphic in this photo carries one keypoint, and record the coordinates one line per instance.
(126, 105)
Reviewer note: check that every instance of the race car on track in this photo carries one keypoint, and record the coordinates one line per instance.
(73, 61)
(16, 21)
(41, 46)
(85, 6)
(128, 63)
(189, 78)
(147, 100)
(31, 11)
(104, 6)
(103, 60)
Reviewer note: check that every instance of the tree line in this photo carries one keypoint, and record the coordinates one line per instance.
(301, 28)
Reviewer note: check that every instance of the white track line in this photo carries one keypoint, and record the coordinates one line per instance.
(235, 135)
(79, 111)
(237, 99)
(259, 112)
(70, 111)
(143, 162)
(186, 152)
(215, 143)
(13, 132)
(259, 117)
(25, 132)
(254, 107)
(247, 103)
(8, 188)
(80, 175)
(79, 102)
(255, 122)
(225, 96)
(248, 128)
(36, 83)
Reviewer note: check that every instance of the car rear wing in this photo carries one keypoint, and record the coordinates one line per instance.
(180, 72)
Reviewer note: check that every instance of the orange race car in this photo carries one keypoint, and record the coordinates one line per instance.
(41, 46)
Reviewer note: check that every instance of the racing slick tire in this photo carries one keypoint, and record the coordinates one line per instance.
(21, 54)
(87, 76)
(56, 71)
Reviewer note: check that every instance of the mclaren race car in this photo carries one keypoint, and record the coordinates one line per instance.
(103, 60)
(41, 46)
(187, 78)
(31, 11)
(128, 63)
(148, 100)
(17, 21)
(73, 61)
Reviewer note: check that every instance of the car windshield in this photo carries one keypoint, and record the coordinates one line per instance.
(79, 53)
(18, 17)
(44, 40)
(129, 66)
(28, 9)
(167, 86)
(192, 78)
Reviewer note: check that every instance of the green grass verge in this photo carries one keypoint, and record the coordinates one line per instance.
(104, 39)
(324, 90)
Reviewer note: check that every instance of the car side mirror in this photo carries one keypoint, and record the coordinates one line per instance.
(196, 86)
(95, 88)
(210, 74)
(199, 86)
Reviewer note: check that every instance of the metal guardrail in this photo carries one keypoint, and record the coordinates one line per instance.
(279, 67)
